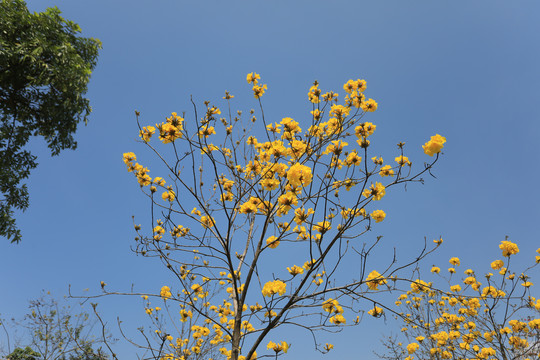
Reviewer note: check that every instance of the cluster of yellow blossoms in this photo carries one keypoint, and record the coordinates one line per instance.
(434, 145)
(274, 287)
(283, 346)
(472, 325)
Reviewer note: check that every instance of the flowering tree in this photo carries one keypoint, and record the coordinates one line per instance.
(259, 223)
(498, 319)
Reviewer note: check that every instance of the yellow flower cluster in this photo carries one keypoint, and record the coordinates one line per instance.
(283, 346)
(171, 130)
(376, 311)
(274, 287)
(378, 215)
(508, 248)
(434, 145)
(165, 292)
(258, 90)
(376, 190)
(299, 175)
(375, 279)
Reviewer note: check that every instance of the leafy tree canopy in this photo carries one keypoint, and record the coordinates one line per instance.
(24, 354)
(44, 72)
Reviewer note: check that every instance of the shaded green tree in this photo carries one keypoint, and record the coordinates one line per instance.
(85, 354)
(45, 67)
(24, 354)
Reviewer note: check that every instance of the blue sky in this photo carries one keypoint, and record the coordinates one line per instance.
(467, 70)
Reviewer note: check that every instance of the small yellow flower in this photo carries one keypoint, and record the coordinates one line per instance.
(168, 195)
(402, 160)
(272, 242)
(252, 78)
(376, 311)
(165, 292)
(386, 170)
(497, 264)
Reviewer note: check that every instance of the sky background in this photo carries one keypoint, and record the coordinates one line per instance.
(467, 70)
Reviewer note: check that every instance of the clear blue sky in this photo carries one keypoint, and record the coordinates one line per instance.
(468, 70)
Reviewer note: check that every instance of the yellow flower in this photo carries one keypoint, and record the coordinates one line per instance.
(378, 215)
(322, 226)
(301, 215)
(314, 93)
(248, 208)
(259, 91)
(283, 346)
(350, 86)
(418, 286)
(508, 248)
(375, 279)
(364, 130)
(252, 78)
(377, 160)
(412, 347)
(272, 242)
(339, 111)
(493, 292)
(337, 319)
(299, 175)
(336, 147)
(497, 264)
(369, 105)
(377, 190)
(386, 171)
(168, 195)
(402, 160)
(454, 261)
(353, 159)
(435, 269)
(328, 347)
(295, 270)
(165, 292)
(274, 287)
(434, 145)
(147, 132)
(129, 157)
(207, 221)
(206, 131)
(172, 129)
(376, 311)
(332, 306)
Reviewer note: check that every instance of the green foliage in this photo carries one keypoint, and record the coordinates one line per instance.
(24, 354)
(44, 71)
